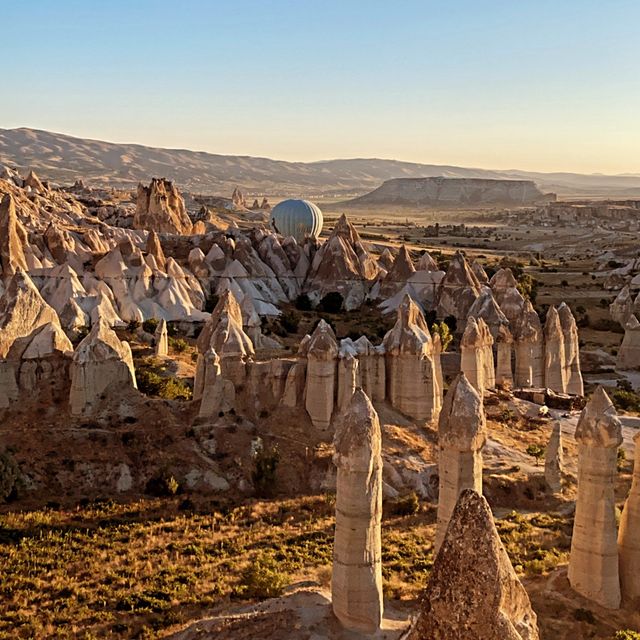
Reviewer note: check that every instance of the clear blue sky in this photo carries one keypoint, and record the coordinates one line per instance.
(532, 84)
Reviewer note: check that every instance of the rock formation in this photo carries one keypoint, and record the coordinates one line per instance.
(487, 308)
(161, 339)
(554, 355)
(411, 370)
(12, 239)
(472, 355)
(458, 291)
(553, 459)
(322, 364)
(427, 263)
(529, 349)
(461, 436)
(238, 200)
(343, 265)
(348, 374)
(356, 585)
(161, 208)
(593, 564)
(218, 394)
(504, 348)
(100, 361)
(629, 537)
(401, 270)
(22, 310)
(224, 334)
(628, 358)
(505, 291)
(622, 307)
(473, 591)
(573, 374)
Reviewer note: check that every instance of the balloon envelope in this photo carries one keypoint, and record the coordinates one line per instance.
(298, 218)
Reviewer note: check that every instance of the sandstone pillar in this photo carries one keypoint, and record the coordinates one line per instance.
(573, 374)
(529, 349)
(554, 355)
(161, 339)
(356, 586)
(553, 459)
(322, 357)
(504, 345)
(461, 436)
(472, 355)
(593, 565)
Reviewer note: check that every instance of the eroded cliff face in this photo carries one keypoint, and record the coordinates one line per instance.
(454, 192)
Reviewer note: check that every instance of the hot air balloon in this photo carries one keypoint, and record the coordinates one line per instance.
(298, 218)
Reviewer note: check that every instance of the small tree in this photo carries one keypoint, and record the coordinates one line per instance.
(442, 329)
(536, 451)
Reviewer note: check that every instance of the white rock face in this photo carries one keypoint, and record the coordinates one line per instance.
(411, 369)
(593, 564)
(629, 536)
(461, 436)
(555, 367)
(476, 349)
(371, 369)
(161, 339)
(218, 394)
(22, 310)
(322, 362)
(458, 290)
(622, 307)
(629, 352)
(13, 238)
(573, 374)
(504, 349)
(348, 377)
(99, 361)
(487, 308)
(505, 291)
(160, 207)
(356, 585)
(529, 348)
(553, 460)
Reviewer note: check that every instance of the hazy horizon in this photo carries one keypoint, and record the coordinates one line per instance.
(495, 86)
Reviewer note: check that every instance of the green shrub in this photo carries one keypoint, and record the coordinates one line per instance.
(152, 384)
(536, 451)
(442, 329)
(264, 578)
(265, 464)
(179, 345)
(626, 634)
(626, 400)
(150, 325)
(9, 474)
(406, 505)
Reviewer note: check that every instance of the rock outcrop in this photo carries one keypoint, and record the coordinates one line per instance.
(461, 436)
(573, 374)
(322, 362)
(593, 564)
(218, 394)
(12, 239)
(356, 585)
(554, 356)
(473, 591)
(622, 307)
(529, 349)
(505, 291)
(161, 339)
(401, 270)
(100, 361)
(553, 460)
(458, 291)
(411, 369)
(628, 358)
(629, 537)
(504, 349)
(161, 208)
(22, 310)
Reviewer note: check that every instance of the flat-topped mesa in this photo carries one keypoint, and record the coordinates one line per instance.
(504, 348)
(22, 310)
(505, 291)
(356, 585)
(154, 248)
(12, 239)
(411, 370)
(161, 339)
(343, 265)
(529, 348)
(161, 208)
(322, 362)
(573, 374)
(100, 361)
(473, 591)
(554, 355)
(629, 538)
(593, 564)
(458, 290)
(224, 334)
(401, 270)
(461, 436)
(553, 459)
(629, 352)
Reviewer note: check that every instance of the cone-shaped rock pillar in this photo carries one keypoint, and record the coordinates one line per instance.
(593, 565)
(356, 585)
(473, 591)
(461, 436)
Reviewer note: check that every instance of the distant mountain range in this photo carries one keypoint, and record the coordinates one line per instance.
(65, 159)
